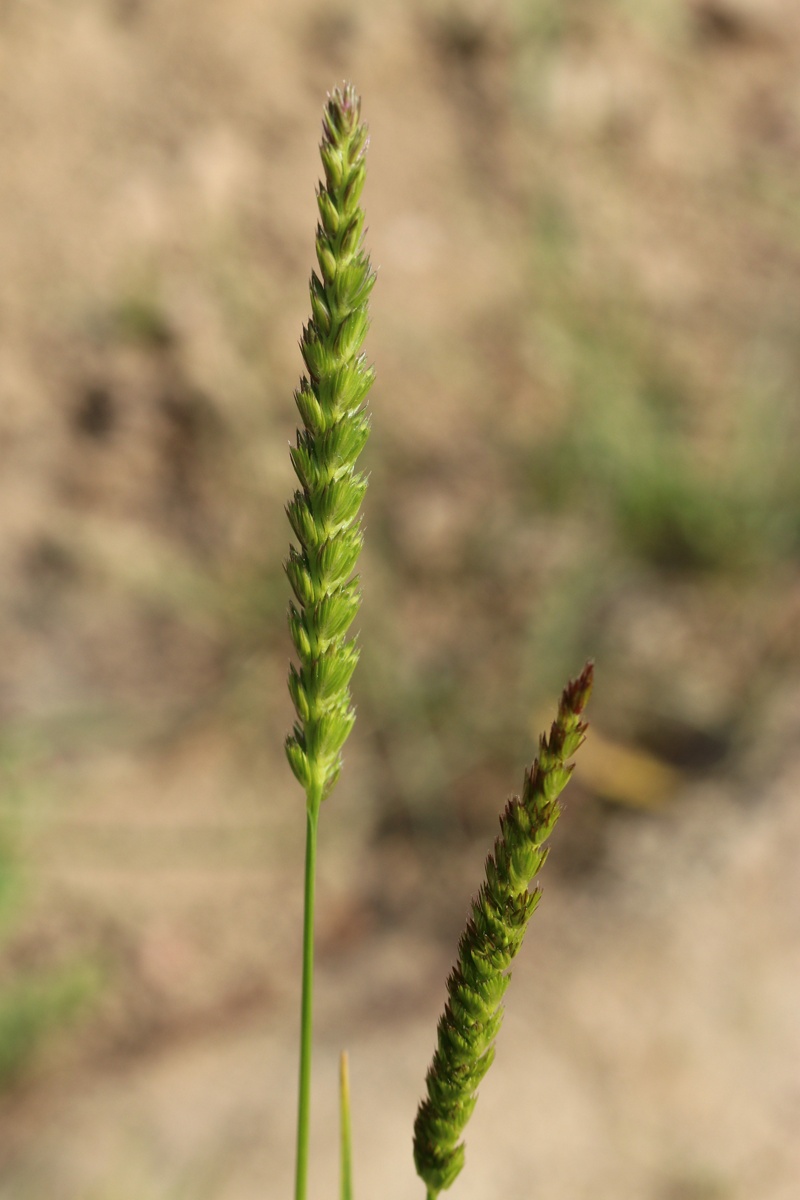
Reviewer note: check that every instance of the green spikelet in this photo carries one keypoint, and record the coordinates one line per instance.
(493, 935)
(324, 510)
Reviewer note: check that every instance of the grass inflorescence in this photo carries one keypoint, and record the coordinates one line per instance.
(493, 935)
(324, 514)
(324, 511)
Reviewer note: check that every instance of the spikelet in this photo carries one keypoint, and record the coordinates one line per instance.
(324, 511)
(493, 935)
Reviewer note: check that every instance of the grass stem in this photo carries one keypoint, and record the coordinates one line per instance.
(346, 1184)
(306, 1008)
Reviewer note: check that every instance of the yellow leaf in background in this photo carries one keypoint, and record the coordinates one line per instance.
(627, 775)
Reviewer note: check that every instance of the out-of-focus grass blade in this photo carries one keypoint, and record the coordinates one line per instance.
(344, 1107)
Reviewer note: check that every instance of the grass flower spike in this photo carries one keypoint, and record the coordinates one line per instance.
(324, 510)
(324, 513)
(493, 935)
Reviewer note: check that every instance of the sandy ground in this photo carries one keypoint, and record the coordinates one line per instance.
(541, 177)
(649, 1048)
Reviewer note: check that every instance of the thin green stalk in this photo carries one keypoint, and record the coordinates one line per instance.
(306, 1009)
(346, 1180)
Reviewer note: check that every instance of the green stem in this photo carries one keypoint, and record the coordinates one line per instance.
(307, 1003)
(346, 1173)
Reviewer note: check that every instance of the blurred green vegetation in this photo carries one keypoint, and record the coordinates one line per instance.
(655, 467)
(631, 449)
(37, 999)
(34, 1009)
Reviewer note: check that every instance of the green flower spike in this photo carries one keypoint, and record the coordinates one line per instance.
(324, 510)
(324, 515)
(494, 933)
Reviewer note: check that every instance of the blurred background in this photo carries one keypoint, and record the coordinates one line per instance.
(586, 218)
